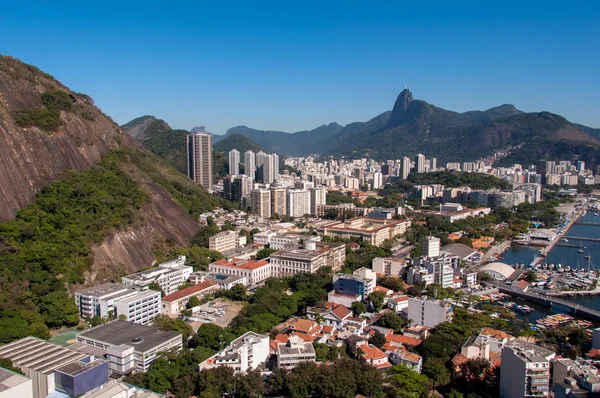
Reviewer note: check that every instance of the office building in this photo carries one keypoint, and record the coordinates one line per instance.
(360, 283)
(427, 312)
(234, 162)
(13, 385)
(389, 266)
(261, 202)
(53, 368)
(244, 354)
(309, 259)
(420, 163)
(174, 303)
(250, 164)
(128, 346)
(293, 352)
(169, 276)
(318, 197)
(223, 241)
(405, 168)
(375, 231)
(199, 158)
(253, 271)
(430, 246)
(298, 202)
(279, 201)
(281, 242)
(525, 370)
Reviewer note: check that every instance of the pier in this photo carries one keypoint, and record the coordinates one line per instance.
(549, 301)
(584, 238)
(595, 224)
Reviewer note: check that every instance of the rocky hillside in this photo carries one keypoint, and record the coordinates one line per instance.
(81, 202)
(139, 128)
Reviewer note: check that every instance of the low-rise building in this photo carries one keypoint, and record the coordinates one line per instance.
(167, 275)
(409, 359)
(371, 355)
(55, 368)
(332, 314)
(575, 378)
(174, 303)
(243, 354)
(129, 347)
(308, 259)
(293, 352)
(223, 241)
(389, 266)
(427, 312)
(263, 238)
(373, 230)
(398, 303)
(13, 385)
(118, 389)
(253, 271)
(281, 242)
(240, 253)
(225, 282)
(360, 283)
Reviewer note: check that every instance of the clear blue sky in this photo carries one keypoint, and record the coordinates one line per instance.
(296, 65)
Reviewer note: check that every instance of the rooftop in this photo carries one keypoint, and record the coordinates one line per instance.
(128, 333)
(38, 355)
(115, 388)
(460, 250)
(10, 379)
(107, 290)
(188, 291)
(530, 352)
(244, 264)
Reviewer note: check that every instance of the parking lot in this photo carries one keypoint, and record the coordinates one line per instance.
(219, 312)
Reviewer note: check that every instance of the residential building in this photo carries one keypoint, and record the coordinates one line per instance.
(427, 312)
(295, 351)
(174, 303)
(405, 168)
(167, 275)
(253, 271)
(237, 188)
(51, 368)
(298, 202)
(332, 314)
(250, 164)
(401, 356)
(420, 163)
(246, 353)
(373, 230)
(575, 378)
(279, 201)
(266, 168)
(260, 200)
(442, 270)
(418, 274)
(377, 180)
(199, 158)
(13, 385)
(129, 347)
(223, 241)
(371, 355)
(430, 247)
(102, 301)
(386, 266)
(318, 197)
(525, 370)
(398, 302)
(234, 162)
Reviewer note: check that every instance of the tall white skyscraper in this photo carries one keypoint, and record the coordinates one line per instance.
(199, 158)
(234, 162)
(420, 163)
(318, 197)
(377, 180)
(433, 164)
(405, 168)
(261, 202)
(250, 164)
(276, 166)
(268, 169)
(430, 247)
(298, 202)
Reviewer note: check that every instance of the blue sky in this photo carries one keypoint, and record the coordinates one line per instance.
(296, 65)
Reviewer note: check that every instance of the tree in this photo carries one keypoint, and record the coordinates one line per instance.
(531, 276)
(378, 339)
(163, 322)
(122, 317)
(156, 287)
(396, 284)
(264, 253)
(193, 302)
(358, 307)
(376, 299)
(465, 240)
(392, 320)
(436, 370)
(95, 321)
(403, 382)
(236, 293)
(7, 364)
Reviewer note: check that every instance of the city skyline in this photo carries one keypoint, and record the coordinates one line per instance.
(312, 65)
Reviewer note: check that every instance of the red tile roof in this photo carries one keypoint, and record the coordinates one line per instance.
(383, 289)
(306, 337)
(372, 352)
(188, 291)
(328, 329)
(302, 325)
(249, 265)
(341, 312)
(405, 340)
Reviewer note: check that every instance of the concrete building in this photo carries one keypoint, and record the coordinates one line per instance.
(223, 241)
(525, 370)
(261, 202)
(295, 351)
(225, 282)
(234, 162)
(237, 188)
(298, 202)
(281, 242)
(427, 312)
(405, 168)
(199, 158)
(318, 197)
(355, 284)
(243, 354)
(404, 357)
(250, 164)
(388, 266)
(118, 389)
(420, 163)
(110, 300)
(167, 275)
(174, 303)
(497, 270)
(53, 368)
(575, 378)
(377, 180)
(253, 271)
(129, 347)
(373, 230)
(430, 247)
(13, 385)
(309, 259)
(398, 303)
(279, 201)
(264, 238)
(371, 355)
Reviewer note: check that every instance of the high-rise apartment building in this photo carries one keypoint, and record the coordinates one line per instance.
(234, 162)
(318, 197)
(298, 202)
(237, 188)
(405, 168)
(261, 202)
(377, 180)
(276, 166)
(199, 158)
(250, 164)
(433, 164)
(430, 247)
(525, 370)
(420, 163)
(268, 169)
(279, 201)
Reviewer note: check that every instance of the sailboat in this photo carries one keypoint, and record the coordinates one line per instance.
(580, 247)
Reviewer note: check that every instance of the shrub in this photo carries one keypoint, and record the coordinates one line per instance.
(45, 119)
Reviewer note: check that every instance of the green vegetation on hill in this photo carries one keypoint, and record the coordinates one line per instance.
(540, 148)
(454, 179)
(239, 142)
(168, 144)
(47, 116)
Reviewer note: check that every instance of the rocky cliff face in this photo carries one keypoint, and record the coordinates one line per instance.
(32, 157)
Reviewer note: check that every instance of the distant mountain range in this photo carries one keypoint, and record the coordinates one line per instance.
(415, 126)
